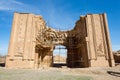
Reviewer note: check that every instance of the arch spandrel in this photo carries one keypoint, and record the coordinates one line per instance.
(49, 36)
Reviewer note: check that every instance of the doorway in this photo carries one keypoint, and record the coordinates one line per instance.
(59, 56)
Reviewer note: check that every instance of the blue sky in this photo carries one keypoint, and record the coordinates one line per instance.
(59, 14)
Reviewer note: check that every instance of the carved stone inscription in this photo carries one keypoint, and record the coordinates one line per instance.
(21, 34)
(98, 36)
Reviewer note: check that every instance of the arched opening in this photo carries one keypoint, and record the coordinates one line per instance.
(59, 56)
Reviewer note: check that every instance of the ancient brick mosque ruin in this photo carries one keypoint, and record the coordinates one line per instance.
(32, 42)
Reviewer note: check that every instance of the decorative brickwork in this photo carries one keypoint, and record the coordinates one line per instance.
(32, 42)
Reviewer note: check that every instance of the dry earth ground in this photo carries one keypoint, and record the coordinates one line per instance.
(94, 73)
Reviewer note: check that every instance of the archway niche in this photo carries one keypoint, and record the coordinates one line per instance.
(59, 56)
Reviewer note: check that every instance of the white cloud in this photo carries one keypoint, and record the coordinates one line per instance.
(17, 6)
(16, 2)
(55, 16)
(9, 4)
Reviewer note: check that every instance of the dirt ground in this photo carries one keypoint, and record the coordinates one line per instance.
(93, 73)
(63, 73)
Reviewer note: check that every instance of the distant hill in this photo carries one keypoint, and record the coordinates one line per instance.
(58, 59)
(118, 51)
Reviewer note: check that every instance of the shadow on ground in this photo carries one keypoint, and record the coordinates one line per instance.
(2, 64)
(59, 65)
(117, 74)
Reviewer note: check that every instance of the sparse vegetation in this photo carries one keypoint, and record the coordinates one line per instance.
(97, 73)
(13, 74)
(93, 73)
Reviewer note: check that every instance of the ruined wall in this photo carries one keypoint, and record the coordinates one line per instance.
(81, 46)
(21, 52)
(98, 40)
(78, 53)
(32, 42)
(92, 42)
